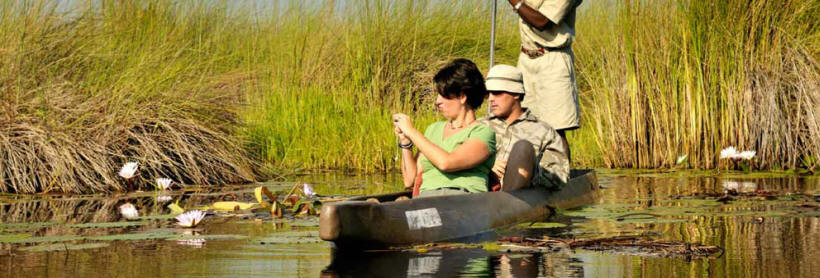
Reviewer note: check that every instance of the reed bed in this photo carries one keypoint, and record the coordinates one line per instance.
(211, 92)
(668, 78)
(87, 90)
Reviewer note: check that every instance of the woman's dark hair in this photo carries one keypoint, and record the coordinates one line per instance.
(461, 76)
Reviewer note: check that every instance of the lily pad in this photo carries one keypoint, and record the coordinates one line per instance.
(209, 237)
(541, 225)
(39, 239)
(26, 226)
(109, 224)
(291, 238)
(63, 247)
(137, 236)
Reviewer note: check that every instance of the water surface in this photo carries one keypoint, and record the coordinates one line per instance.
(770, 236)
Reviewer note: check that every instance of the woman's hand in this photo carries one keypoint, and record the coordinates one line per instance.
(401, 124)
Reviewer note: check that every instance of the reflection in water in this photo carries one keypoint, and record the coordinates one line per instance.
(451, 263)
(761, 237)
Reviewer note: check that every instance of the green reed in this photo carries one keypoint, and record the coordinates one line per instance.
(203, 91)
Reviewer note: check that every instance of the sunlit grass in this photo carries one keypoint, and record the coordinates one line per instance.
(200, 91)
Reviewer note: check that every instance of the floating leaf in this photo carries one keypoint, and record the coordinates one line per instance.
(63, 247)
(231, 205)
(291, 238)
(541, 225)
(14, 237)
(175, 208)
(109, 224)
(33, 239)
(259, 192)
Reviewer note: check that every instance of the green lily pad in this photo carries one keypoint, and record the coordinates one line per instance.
(158, 217)
(26, 226)
(291, 238)
(209, 237)
(109, 224)
(541, 225)
(13, 237)
(63, 247)
(137, 236)
(33, 239)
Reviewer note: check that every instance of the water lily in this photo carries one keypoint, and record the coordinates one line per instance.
(729, 185)
(164, 184)
(729, 153)
(681, 159)
(195, 242)
(748, 186)
(747, 155)
(129, 211)
(163, 198)
(129, 170)
(190, 219)
(308, 190)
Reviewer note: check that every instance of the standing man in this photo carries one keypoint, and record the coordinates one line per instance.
(546, 61)
(530, 152)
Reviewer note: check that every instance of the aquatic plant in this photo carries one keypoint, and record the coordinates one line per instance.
(164, 183)
(681, 159)
(129, 211)
(729, 152)
(308, 190)
(190, 219)
(163, 198)
(129, 170)
(88, 86)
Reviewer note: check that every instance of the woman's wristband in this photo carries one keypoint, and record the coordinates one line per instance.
(406, 146)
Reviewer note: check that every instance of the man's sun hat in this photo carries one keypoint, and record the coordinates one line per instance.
(505, 78)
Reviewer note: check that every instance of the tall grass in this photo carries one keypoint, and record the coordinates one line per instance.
(201, 91)
(667, 78)
(83, 92)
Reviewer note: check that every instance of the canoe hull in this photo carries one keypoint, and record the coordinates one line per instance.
(357, 223)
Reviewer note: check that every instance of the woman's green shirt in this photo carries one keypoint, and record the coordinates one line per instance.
(474, 179)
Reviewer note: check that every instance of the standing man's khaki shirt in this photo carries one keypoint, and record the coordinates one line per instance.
(553, 165)
(549, 79)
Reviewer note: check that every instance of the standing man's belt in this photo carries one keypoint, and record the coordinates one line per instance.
(535, 53)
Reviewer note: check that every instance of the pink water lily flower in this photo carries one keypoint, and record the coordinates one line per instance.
(129, 170)
(190, 219)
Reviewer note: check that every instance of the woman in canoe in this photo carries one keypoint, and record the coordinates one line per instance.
(454, 156)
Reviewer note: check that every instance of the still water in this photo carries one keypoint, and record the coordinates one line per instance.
(770, 229)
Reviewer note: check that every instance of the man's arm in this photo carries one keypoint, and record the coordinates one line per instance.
(546, 16)
(532, 16)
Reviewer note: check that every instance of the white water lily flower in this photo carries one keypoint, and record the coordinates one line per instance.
(308, 190)
(129, 170)
(190, 219)
(195, 242)
(129, 211)
(747, 155)
(163, 198)
(730, 185)
(748, 186)
(681, 159)
(729, 153)
(164, 184)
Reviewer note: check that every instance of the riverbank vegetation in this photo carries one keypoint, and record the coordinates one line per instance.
(214, 92)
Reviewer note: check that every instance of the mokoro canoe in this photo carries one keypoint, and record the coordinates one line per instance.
(358, 224)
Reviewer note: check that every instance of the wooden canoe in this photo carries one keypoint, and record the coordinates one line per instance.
(358, 224)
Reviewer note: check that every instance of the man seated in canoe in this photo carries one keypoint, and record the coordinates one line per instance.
(454, 156)
(530, 151)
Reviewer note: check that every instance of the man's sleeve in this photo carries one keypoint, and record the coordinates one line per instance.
(553, 165)
(555, 10)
